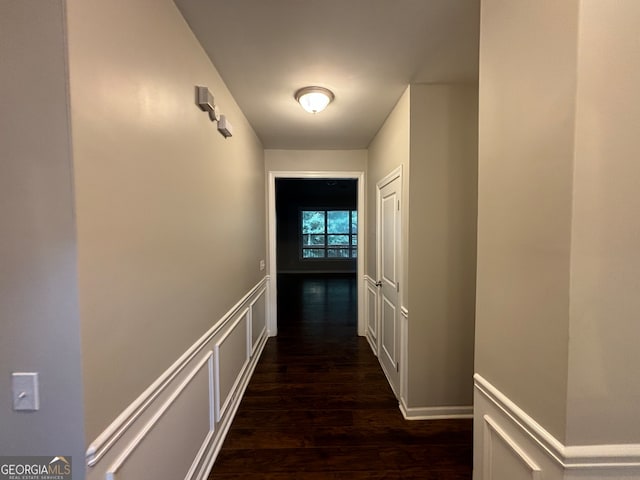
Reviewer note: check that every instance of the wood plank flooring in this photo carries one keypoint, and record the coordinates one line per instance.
(319, 407)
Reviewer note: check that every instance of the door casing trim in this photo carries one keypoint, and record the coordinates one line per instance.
(272, 320)
(400, 390)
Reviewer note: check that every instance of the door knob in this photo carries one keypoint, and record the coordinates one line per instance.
(379, 283)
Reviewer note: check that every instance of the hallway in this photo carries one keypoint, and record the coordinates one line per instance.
(319, 407)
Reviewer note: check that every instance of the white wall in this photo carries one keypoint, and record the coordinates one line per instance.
(442, 243)
(170, 215)
(432, 134)
(388, 150)
(604, 386)
(316, 160)
(526, 104)
(557, 307)
(38, 287)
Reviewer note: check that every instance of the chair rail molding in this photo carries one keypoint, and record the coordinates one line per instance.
(498, 413)
(199, 394)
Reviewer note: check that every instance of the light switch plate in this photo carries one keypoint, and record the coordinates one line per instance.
(261, 265)
(26, 396)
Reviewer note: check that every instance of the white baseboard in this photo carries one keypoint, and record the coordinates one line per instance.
(435, 413)
(506, 438)
(176, 427)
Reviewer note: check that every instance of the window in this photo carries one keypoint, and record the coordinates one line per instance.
(329, 234)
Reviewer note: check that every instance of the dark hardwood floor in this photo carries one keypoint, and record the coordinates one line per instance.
(319, 406)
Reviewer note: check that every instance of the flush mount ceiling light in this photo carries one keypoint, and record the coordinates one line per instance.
(314, 99)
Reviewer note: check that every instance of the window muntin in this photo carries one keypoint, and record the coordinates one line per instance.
(329, 234)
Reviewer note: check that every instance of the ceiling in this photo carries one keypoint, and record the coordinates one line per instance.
(365, 51)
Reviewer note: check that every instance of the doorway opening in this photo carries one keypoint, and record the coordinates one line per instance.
(316, 252)
(315, 241)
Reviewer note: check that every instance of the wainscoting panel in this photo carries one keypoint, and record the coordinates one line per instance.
(389, 339)
(175, 429)
(180, 418)
(231, 357)
(371, 312)
(509, 444)
(503, 457)
(258, 320)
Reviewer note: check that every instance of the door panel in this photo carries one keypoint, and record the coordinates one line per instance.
(388, 237)
(389, 331)
(388, 268)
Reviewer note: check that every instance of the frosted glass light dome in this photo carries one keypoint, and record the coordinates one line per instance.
(314, 99)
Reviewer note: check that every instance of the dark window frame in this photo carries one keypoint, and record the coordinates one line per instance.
(352, 237)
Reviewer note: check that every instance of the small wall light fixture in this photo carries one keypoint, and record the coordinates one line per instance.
(314, 99)
(224, 127)
(206, 102)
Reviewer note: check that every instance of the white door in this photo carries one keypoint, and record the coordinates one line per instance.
(388, 266)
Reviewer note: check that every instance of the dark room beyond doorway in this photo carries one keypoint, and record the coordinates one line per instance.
(316, 225)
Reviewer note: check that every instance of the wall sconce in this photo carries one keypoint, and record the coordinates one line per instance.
(206, 102)
(224, 126)
(314, 99)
